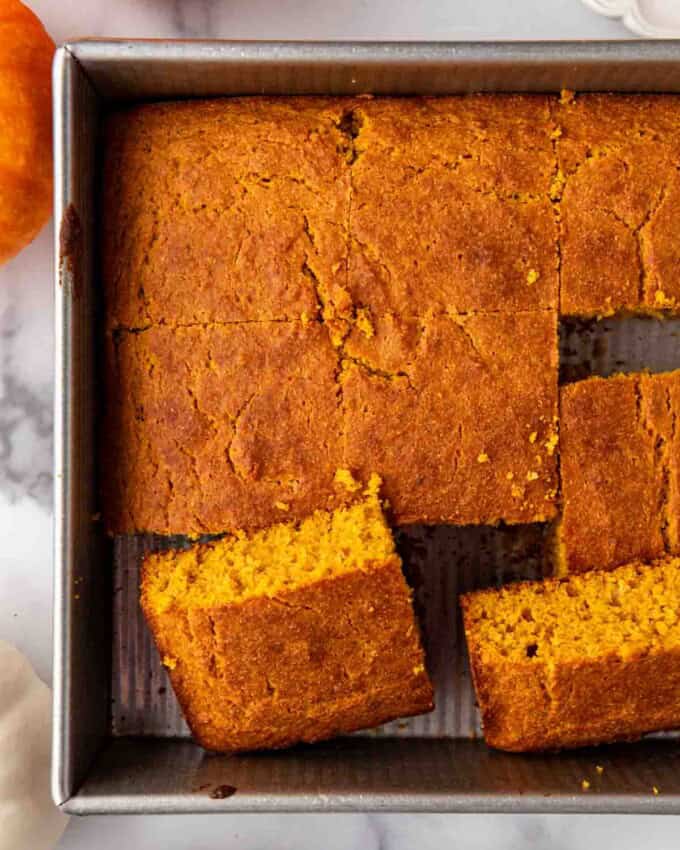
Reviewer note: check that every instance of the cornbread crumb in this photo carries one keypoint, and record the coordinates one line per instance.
(482, 457)
(298, 632)
(510, 476)
(567, 96)
(345, 479)
(557, 185)
(655, 790)
(282, 506)
(363, 322)
(585, 784)
(551, 444)
(532, 276)
(664, 301)
(599, 769)
(541, 651)
(533, 436)
(532, 476)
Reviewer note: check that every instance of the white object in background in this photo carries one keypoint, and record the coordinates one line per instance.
(648, 18)
(29, 820)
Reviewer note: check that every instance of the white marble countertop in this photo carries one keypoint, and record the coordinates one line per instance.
(26, 369)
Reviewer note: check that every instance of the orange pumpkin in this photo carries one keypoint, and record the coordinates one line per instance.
(25, 127)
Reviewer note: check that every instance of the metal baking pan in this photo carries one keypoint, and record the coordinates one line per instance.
(120, 744)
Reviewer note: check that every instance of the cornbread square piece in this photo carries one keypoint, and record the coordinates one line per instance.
(620, 464)
(297, 633)
(620, 202)
(224, 210)
(451, 205)
(217, 428)
(568, 663)
(458, 414)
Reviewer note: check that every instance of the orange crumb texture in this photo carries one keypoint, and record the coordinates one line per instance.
(296, 633)
(584, 660)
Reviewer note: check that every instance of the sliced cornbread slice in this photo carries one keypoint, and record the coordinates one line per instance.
(620, 464)
(296, 633)
(220, 428)
(577, 661)
(458, 414)
(618, 194)
(450, 205)
(224, 210)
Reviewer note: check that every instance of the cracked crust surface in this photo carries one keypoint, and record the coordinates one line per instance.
(332, 648)
(384, 221)
(209, 427)
(207, 200)
(620, 465)
(581, 661)
(618, 193)
(421, 404)
(450, 206)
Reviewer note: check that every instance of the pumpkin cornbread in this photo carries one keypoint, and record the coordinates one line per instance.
(578, 661)
(296, 633)
(221, 427)
(217, 428)
(451, 205)
(620, 465)
(224, 210)
(458, 414)
(618, 191)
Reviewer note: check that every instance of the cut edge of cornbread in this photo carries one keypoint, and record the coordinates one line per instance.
(282, 557)
(577, 661)
(297, 648)
(618, 466)
(556, 550)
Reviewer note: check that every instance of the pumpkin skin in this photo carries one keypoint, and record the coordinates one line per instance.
(25, 127)
(29, 820)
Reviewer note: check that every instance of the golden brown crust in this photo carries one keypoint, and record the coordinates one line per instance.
(540, 703)
(398, 212)
(396, 204)
(450, 205)
(620, 201)
(457, 414)
(207, 429)
(620, 450)
(525, 708)
(207, 200)
(212, 429)
(315, 662)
